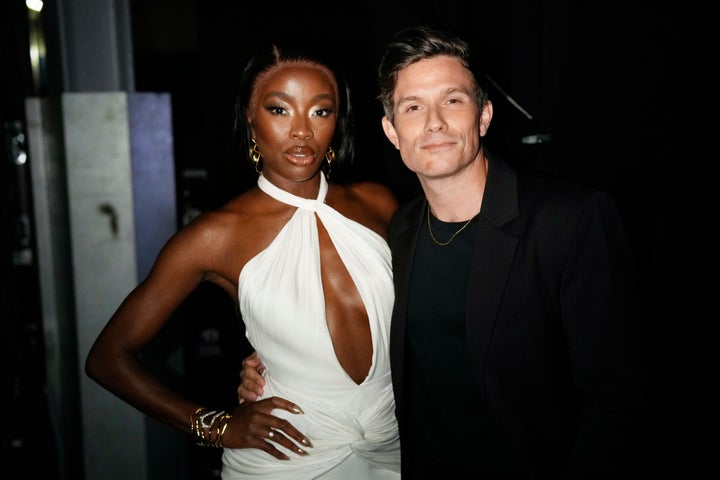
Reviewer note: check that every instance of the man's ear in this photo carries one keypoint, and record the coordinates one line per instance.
(485, 118)
(390, 132)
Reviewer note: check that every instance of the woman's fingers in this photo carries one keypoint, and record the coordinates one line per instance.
(251, 380)
(259, 428)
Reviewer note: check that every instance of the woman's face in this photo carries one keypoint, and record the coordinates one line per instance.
(293, 114)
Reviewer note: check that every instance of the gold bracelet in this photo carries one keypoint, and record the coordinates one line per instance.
(209, 434)
(194, 422)
(222, 426)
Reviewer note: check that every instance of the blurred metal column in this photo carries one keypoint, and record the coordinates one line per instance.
(49, 195)
(102, 232)
(94, 147)
(104, 196)
(95, 38)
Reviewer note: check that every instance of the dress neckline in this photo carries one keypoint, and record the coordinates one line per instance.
(286, 197)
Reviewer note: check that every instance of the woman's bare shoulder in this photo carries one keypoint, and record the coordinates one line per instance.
(216, 226)
(369, 203)
(374, 195)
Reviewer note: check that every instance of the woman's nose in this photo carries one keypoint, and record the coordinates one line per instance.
(301, 129)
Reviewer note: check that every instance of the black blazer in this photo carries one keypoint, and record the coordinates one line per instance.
(550, 320)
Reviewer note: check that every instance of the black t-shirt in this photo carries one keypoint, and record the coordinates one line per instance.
(450, 424)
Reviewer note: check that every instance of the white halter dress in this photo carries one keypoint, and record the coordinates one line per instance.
(352, 427)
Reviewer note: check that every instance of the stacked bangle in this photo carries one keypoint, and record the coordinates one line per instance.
(209, 426)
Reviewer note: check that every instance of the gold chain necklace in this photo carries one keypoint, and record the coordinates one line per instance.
(442, 244)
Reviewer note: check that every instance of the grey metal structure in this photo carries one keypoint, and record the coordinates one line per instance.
(103, 188)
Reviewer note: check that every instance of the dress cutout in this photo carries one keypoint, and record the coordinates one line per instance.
(352, 427)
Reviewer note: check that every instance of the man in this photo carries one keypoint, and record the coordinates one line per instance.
(512, 339)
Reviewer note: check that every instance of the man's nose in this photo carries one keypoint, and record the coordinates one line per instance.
(435, 120)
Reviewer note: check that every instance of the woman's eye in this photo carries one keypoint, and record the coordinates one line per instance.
(275, 110)
(323, 112)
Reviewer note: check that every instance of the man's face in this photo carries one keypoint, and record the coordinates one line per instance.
(438, 123)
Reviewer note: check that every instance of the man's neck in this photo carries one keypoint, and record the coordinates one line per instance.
(457, 198)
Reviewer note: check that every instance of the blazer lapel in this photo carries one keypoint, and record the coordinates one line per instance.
(492, 261)
(403, 248)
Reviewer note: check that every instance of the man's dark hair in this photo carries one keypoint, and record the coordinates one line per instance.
(413, 44)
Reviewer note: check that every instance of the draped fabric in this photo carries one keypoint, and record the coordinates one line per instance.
(352, 427)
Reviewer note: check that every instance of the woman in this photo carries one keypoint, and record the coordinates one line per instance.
(307, 263)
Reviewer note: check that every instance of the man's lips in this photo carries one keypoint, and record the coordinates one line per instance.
(438, 145)
(438, 141)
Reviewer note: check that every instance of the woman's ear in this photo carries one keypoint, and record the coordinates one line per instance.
(248, 117)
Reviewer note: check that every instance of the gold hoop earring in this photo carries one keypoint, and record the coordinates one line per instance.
(330, 158)
(255, 155)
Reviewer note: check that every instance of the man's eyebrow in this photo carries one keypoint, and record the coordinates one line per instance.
(409, 98)
(445, 92)
(462, 90)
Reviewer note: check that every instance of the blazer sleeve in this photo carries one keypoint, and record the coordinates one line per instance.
(599, 311)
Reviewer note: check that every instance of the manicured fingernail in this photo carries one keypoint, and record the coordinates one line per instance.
(297, 409)
(307, 442)
(301, 451)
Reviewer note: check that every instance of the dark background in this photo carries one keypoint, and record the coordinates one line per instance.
(595, 77)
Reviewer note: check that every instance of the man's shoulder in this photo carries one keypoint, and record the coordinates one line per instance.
(539, 184)
(406, 215)
(408, 207)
